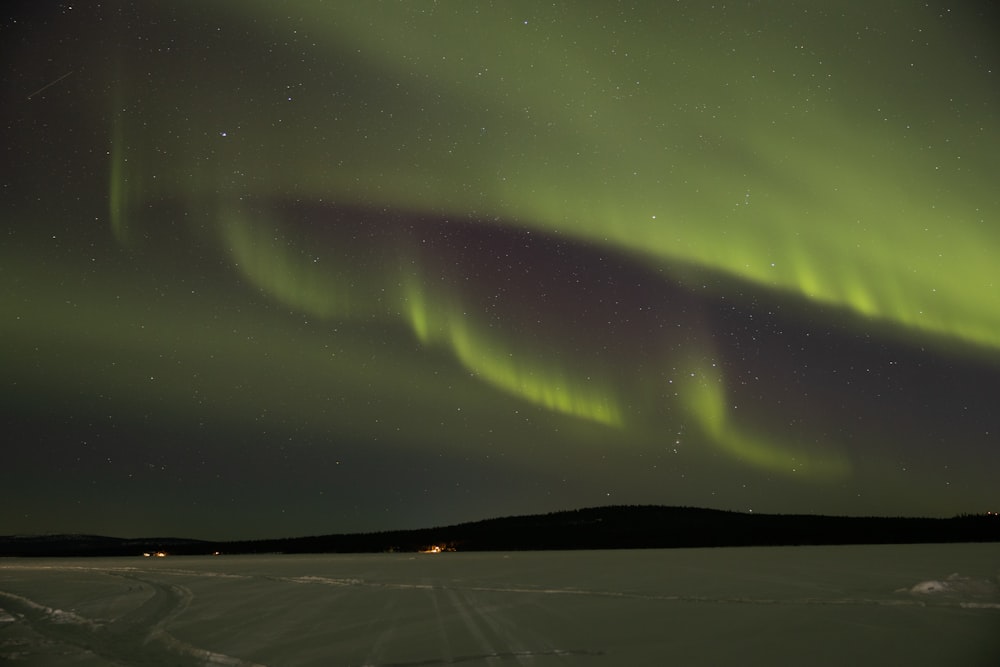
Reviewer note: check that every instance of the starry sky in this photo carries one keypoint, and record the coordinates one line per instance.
(303, 267)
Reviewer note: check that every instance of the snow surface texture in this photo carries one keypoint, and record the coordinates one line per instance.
(860, 605)
(968, 591)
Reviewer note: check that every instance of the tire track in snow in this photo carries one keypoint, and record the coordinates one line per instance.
(470, 618)
(137, 638)
(916, 596)
(442, 627)
(522, 657)
(911, 599)
(383, 638)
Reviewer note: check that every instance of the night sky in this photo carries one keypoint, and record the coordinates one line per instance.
(289, 268)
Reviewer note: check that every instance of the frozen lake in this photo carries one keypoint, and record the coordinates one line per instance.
(860, 605)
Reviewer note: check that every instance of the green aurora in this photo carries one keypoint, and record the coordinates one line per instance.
(302, 203)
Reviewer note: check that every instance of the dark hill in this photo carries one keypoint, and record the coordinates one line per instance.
(613, 527)
(96, 545)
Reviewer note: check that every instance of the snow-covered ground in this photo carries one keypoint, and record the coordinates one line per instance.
(854, 605)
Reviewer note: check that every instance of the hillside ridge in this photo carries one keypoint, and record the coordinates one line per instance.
(602, 527)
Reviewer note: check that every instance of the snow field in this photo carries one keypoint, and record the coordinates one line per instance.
(862, 605)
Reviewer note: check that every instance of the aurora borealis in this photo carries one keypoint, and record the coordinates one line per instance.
(285, 268)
